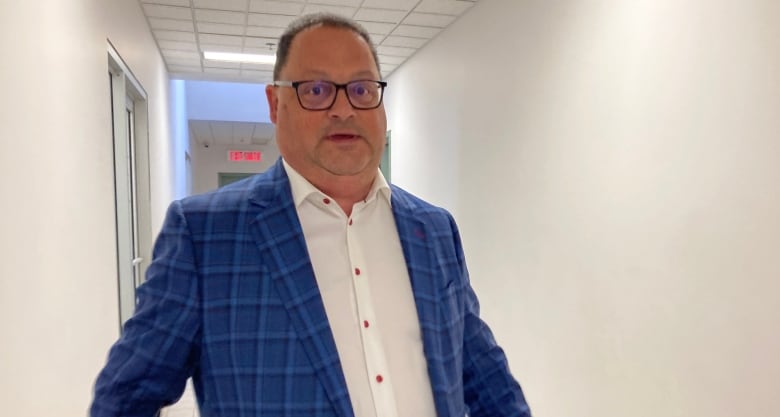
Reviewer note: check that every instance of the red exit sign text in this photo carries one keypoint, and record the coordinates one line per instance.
(244, 156)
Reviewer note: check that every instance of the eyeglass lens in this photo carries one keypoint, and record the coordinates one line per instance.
(363, 94)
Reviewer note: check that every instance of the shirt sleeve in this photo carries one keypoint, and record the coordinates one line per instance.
(147, 368)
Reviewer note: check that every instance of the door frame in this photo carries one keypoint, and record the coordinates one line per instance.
(132, 191)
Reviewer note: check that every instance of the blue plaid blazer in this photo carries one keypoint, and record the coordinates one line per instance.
(231, 300)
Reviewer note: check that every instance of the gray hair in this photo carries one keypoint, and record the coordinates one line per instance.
(318, 19)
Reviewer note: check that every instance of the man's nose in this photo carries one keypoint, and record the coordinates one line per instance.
(341, 108)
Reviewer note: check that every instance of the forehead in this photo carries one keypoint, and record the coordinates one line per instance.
(330, 50)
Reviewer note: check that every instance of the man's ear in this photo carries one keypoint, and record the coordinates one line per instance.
(273, 101)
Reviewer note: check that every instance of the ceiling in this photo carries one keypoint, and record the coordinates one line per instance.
(184, 29)
(225, 133)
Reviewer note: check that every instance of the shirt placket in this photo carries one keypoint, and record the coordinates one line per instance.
(373, 351)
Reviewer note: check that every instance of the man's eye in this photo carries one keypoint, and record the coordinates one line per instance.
(316, 90)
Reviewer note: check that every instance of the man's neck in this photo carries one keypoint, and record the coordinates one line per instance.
(346, 190)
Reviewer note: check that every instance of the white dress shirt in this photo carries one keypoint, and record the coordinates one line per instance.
(361, 273)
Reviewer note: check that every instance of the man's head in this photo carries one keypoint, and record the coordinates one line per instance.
(328, 145)
(317, 19)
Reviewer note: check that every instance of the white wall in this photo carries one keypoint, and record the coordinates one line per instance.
(227, 101)
(180, 137)
(58, 291)
(614, 169)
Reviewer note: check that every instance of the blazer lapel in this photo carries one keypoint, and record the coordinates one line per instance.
(279, 237)
(419, 251)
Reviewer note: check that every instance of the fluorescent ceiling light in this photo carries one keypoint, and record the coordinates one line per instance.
(234, 57)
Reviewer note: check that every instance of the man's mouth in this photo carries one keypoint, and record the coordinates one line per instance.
(342, 136)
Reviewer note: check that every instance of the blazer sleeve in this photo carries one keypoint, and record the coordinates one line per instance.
(489, 388)
(148, 366)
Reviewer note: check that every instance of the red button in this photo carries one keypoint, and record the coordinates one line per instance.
(350, 222)
(326, 200)
(379, 378)
(357, 271)
(365, 323)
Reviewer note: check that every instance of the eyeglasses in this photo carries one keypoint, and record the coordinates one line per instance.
(320, 95)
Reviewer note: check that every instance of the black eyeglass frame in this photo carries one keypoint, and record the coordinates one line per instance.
(296, 84)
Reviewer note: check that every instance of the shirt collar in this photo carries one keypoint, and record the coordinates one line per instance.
(302, 188)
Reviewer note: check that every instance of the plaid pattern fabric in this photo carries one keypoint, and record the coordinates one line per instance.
(231, 300)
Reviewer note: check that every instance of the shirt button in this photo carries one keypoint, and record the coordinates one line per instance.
(357, 271)
(365, 323)
(326, 200)
(379, 378)
(350, 222)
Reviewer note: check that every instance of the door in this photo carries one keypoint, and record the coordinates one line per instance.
(131, 186)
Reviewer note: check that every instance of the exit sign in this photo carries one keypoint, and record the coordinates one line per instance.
(244, 156)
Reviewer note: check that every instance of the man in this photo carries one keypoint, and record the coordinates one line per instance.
(313, 289)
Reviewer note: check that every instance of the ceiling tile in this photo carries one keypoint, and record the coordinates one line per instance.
(391, 4)
(170, 24)
(253, 42)
(221, 39)
(242, 132)
(350, 3)
(400, 27)
(220, 28)
(224, 140)
(427, 19)
(261, 141)
(404, 41)
(376, 28)
(259, 51)
(211, 47)
(183, 62)
(201, 129)
(388, 68)
(264, 32)
(175, 53)
(221, 128)
(379, 15)
(270, 20)
(391, 60)
(275, 7)
(323, 8)
(264, 131)
(217, 16)
(257, 67)
(416, 31)
(221, 64)
(450, 7)
(184, 3)
(184, 46)
(183, 68)
(222, 131)
(168, 12)
(172, 35)
(234, 5)
(395, 51)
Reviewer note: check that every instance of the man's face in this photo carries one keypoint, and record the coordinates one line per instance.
(342, 141)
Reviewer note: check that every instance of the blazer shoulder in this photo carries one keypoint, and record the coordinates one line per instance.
(407, 205)
(234, 205)
(258, 188)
